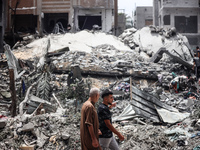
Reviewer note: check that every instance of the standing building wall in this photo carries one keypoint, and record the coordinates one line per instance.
(41, 15)
(56, 11)
(143, 17)
(155, 13)
(182, 14)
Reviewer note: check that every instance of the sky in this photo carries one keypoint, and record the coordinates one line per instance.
(130, 5)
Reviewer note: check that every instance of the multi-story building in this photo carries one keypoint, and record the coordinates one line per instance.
(90, 12)
(143, 17)
(29, 15)
(182, 14)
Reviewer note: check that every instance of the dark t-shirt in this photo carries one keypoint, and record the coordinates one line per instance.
(197, 61)
(104, 114)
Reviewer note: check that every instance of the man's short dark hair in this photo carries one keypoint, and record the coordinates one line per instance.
(106, 92)
(197, 47)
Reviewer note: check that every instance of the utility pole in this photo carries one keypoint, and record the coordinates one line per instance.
(116, 16)
(13, 93)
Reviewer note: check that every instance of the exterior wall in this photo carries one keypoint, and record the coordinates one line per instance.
(107, 20)
(94, 8)
(106, 17)
(31, 4)
(97, 3)
(41, 7)
(144, 17)
(58, 6)
(182, 14)
(180, 3)
(155, 13)
(73, 8)
(121, 23)
(178, 12)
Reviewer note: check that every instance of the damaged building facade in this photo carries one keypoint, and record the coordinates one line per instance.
(143, 17)
(183, 15)
(40, 15)
(90, 12)
(44, 15)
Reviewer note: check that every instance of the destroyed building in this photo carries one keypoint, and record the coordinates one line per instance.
(183, 15)
(48, 115)
(45, 16)
(29, 16)
(45, 81)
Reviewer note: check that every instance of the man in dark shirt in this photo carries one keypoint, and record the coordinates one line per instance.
(107, 140)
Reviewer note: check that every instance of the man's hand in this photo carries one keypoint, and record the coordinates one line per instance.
(95, 143)
(121, 137)
(99, 132)
(113, 105)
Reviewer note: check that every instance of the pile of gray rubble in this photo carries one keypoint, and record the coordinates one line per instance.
(54, 74)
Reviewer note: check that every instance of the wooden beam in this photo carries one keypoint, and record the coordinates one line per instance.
(13, 93)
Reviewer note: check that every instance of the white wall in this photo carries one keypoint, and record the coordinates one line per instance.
(180, 12)
(180, 3)
(106, 16)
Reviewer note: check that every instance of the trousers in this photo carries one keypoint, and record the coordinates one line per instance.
(108, 143)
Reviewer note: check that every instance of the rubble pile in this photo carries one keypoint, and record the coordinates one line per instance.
(145, 137)
(52, 131)
(149, 112)
(150, 39)
(83, 41)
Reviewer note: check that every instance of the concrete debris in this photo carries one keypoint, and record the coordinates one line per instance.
(3, 123)
(151, 113)
(82, 41)
(27, 147)
(171, 117)
(150, 41)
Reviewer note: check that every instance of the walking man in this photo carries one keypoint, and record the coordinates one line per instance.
(107, 140)
(89, 127)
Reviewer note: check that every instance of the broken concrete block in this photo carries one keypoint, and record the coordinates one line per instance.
(3, 123)
(197, 125)
(6, 94)
(41, 138)
(25, 147)
(65, 136)
(27, 127)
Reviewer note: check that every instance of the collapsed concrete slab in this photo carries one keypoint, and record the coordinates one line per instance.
(159, 54)
(83, 41)
(150, 42)
(34, 102)
(171, 117)
(127, 113)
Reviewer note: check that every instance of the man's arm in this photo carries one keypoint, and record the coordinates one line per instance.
(110, 126)
(95, 142)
